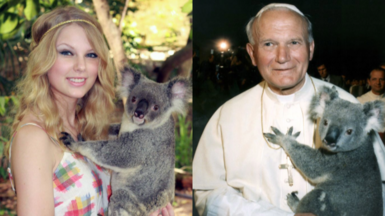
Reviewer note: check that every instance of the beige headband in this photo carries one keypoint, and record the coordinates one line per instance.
(65, 22)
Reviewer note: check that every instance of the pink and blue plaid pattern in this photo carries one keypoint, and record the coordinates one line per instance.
(66, 176)
(80, 206)
(80, 187)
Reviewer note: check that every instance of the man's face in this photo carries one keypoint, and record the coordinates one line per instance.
(377, 82)
(323, 72)
(281, 50)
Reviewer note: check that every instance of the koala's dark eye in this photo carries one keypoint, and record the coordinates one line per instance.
(133, 99)
(349, 132)
(155, 108)
(325, 122)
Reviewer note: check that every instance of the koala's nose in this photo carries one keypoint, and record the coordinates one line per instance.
(141, 108)
(332, 136)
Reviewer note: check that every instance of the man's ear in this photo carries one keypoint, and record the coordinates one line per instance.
(250, 51)
(311, 50)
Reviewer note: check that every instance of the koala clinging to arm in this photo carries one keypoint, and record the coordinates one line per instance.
(142, 157)
(344, 170)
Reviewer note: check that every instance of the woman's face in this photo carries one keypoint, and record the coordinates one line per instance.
(76, 67)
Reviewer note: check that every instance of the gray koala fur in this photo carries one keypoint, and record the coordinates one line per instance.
(142, 157)
(344, 169)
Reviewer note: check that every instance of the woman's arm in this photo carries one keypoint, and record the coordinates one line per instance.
(33, 160)
(168, 210)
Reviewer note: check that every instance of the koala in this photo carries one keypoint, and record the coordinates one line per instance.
(142, 157)
(344, 169)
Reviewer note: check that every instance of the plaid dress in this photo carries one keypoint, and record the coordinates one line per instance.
(80, 187)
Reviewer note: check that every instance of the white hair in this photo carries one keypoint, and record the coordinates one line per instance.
(274, 6)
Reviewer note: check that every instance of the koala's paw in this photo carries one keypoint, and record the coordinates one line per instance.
(80, 138)
(67, 140)
(292, 200)
(278, 137)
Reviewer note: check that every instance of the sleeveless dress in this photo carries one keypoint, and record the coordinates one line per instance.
(80, 187)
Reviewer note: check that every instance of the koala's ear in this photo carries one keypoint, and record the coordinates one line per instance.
(319, 101)
(129, 79)
(375, 113)
(179, 92)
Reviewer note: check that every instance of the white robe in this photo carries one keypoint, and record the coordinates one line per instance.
(235, 172)
(370, 96)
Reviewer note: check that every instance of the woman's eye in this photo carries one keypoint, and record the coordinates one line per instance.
(92, 55)
(65, 52)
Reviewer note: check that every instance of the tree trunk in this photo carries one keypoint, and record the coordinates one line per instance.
(184, 70)
(174, 61)
(113, 35)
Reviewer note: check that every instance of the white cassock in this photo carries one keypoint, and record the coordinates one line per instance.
(235, 172)
(369, 96)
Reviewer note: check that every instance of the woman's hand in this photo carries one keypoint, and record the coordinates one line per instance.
(166, 211)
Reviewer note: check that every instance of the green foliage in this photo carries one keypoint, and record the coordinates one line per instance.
(151, 23)
(31, 9)
(188, 7)
(8, 21)
(6, 212)
(8, 107)
(3, 172)
(183, 142)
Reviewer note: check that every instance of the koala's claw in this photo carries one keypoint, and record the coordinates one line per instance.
(80, 138)
(292, 200)
(277, 137)
(290, 133)
(277, 132)
(271, 137)
(296, 134)
(67, 139)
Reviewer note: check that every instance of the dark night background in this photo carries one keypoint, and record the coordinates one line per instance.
(349, 37)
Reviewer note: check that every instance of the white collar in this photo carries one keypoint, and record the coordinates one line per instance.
(297, 96)
(376, 96)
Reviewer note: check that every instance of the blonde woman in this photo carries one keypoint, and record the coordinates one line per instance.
(68, 86)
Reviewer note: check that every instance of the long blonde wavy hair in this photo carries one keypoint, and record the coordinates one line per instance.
(34, 91)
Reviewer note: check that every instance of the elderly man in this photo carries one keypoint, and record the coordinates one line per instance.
(376, 81)
(237, 171)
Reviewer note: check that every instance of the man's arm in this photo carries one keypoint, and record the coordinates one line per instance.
(213, 195)
(229, 201)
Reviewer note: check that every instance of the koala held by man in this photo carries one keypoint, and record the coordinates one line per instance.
(142, 157)
(344, 169)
